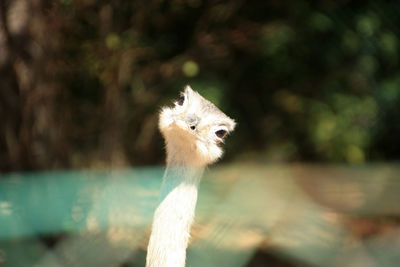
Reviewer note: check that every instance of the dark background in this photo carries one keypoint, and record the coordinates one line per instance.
(82, 81)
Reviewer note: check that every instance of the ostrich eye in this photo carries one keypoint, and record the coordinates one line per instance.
(181, 99)
(221, 133)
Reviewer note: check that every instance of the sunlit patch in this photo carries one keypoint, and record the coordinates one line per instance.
(5, 208)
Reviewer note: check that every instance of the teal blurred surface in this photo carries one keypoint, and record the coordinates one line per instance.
(308, 215)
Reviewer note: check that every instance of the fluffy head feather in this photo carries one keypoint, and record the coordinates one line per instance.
(194, 129)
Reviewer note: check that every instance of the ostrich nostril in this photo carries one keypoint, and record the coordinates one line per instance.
(192, 121)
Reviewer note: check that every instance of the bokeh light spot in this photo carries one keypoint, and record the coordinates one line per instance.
(354, 154)
(190, 68)
(113, 41)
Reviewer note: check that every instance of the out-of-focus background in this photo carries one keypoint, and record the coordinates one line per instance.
(82, 80)
(81, 84)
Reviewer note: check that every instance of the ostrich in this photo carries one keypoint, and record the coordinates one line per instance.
(193, 131)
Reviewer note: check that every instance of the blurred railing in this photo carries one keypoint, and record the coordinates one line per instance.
(310, 215)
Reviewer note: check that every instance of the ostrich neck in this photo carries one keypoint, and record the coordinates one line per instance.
(174, 215)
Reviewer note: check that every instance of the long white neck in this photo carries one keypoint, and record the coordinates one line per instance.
(174, 215)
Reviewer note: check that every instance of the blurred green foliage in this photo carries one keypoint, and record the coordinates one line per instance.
(82, 80)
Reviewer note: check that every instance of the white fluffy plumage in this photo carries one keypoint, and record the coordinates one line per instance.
(198, 146)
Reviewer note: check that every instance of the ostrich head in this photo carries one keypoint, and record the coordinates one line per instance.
(194, 129)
